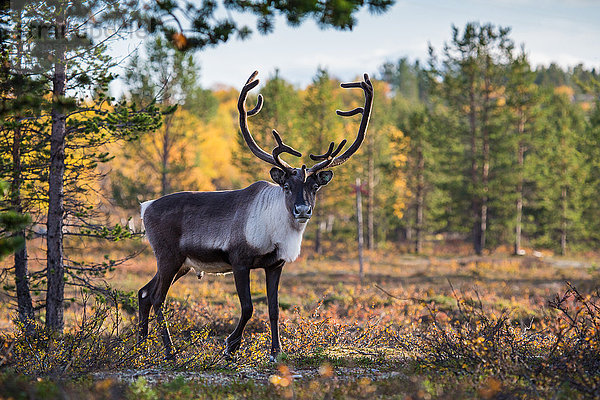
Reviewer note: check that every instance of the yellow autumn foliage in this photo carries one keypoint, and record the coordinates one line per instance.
(399, 144)
(565, 90)
(219, 141)
(197, 154)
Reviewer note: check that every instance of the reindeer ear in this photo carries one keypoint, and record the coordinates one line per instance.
(324, 177)
(277, 175)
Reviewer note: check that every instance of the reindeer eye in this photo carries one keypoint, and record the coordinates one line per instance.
(315, 187)
(286, 187)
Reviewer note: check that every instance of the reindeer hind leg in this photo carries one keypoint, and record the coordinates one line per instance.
(169, 268)
(145, 303)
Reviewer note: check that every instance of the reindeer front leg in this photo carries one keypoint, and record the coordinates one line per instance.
(242, 285)
(272, 274)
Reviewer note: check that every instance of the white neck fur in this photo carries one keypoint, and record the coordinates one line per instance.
(269, 225)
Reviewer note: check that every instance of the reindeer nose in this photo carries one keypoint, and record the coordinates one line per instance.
(302, 211)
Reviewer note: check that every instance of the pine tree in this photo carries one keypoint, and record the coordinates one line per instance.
(472, 76)
(22, 148)
(212, 23)
(559, 174)
(523, 106)
(591, 153)
(73, 73)
(418, 132)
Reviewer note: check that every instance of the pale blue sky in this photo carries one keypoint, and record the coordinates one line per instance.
(567, 32)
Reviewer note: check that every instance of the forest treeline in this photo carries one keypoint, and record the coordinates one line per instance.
(473, 144)
(476, 144)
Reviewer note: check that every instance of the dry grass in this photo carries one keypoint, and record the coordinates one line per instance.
(418, 327)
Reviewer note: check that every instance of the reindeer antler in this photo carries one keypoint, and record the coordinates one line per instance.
(329, 157)
(273, 158)
(282, 148)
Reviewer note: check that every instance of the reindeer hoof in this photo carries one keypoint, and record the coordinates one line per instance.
(276, 357)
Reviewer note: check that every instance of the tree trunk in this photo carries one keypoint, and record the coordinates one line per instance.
(485, 172)
(563, 224)
(371, 194)
(24, 302)
(166, 146)
(520, 161)
(420, 201)
(320, 212)
(475, 203)
(320, 224)
(519, 218)
(319, 233)
(55, 262)
(359, 222)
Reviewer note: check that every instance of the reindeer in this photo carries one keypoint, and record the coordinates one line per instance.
(236, 231)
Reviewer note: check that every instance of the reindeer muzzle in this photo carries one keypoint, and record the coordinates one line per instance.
(302, 213)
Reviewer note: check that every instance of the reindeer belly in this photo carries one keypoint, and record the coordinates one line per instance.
(213, 267)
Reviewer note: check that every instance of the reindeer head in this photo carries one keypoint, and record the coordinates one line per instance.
(300, 185)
